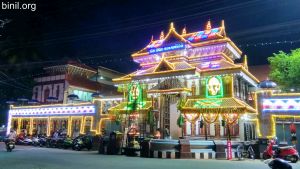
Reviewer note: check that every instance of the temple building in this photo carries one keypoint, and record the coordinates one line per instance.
(72, 97)
(191, 76)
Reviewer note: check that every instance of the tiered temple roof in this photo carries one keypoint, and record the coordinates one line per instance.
(205, 52)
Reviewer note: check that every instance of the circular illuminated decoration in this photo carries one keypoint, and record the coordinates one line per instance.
(214, 87)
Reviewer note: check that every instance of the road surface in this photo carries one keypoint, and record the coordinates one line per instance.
(28, 157)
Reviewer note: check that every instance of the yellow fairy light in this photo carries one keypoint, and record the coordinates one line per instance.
(69, 131)
(19, 125)
(273, 122)
(48, 126)
(31, 126)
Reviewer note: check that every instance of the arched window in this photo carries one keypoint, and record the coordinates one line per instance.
(46, 94)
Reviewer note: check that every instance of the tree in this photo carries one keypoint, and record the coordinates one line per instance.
(285, 69)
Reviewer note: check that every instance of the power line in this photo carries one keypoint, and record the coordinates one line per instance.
(260, 44)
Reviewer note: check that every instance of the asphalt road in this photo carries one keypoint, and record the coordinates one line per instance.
(28, 157)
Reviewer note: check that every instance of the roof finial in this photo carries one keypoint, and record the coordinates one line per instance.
(208, 25)
(162, 35)
(151, 38)
(223, 27)
(223, 23)
(184, 31)
(171, 25)
(245, 64)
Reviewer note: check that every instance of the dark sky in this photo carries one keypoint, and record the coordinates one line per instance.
(105, 32)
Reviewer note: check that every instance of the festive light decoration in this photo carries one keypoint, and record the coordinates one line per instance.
(212, 103)
(169, 47)
(279, 105)
(230, 118)
(214, 87)
(257, 126)
(209, 65)
(273, 122)
(49, 111)
(210, 117)
(135, 92)
(58, 111)
(204, 35)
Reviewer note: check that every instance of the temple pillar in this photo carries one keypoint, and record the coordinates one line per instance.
(193, 128)
(212, 129)
(19, 125)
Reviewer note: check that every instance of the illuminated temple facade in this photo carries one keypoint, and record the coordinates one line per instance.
(193, 76)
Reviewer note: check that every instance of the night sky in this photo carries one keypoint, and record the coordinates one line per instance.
(99, 32)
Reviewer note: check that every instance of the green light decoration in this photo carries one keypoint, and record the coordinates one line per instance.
(180, 104)
(135, 97)
(211, 103)
(135, 92)
(135, 105)
(180, 120)
(214, 87)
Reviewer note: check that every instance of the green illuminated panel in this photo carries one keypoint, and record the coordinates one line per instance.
(214, 87)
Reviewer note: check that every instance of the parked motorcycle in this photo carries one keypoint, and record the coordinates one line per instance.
(82, 142)
(67, 143)
(52, 142)
(42, 140)
(24, 141)
(39, 140)
(35, 141)
(278, 163)
(288, 153)
(10, 145)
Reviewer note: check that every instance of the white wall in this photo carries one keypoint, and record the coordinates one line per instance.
(38, 92)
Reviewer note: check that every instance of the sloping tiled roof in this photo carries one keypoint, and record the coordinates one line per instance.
(217, 105)
(181, 65)
(158, 70)
(190, 38)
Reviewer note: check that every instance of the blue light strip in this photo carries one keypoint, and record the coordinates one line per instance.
(167, 48)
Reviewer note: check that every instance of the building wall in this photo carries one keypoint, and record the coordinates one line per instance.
(175, 131)
(49, 86)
